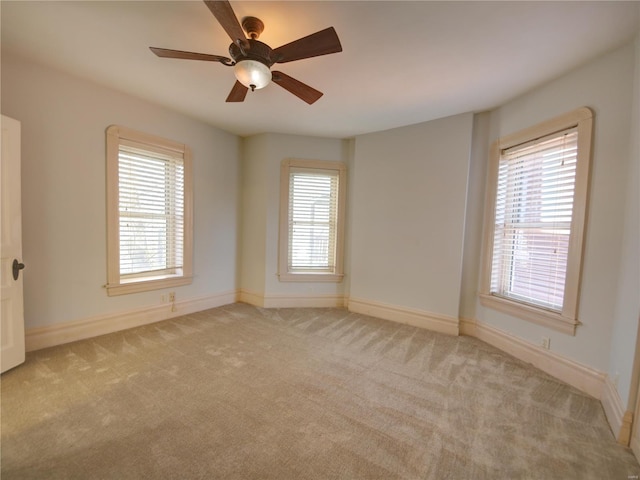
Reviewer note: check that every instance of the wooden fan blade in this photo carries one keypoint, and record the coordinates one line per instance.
(299, 89)
(238, 92)
(226, 16)
(320, 43)
(167, 53)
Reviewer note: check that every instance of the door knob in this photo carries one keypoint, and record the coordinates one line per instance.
(17, 266)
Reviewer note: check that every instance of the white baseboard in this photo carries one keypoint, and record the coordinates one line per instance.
(583, 378)
(619, 419)
(43, 337)
(612, 405)
(586, 379)
(290, 301)
(303, 301)
(252, 298)
(409, 316)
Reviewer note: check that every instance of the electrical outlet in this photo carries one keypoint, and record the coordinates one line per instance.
(545, 343)
(172, 297)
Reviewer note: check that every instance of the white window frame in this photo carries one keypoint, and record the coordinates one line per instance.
(566, 320)
(120, 285)
(284, 274)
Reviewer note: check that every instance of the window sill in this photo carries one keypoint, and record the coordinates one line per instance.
(310, 277)
(532, 314)
(144, 285)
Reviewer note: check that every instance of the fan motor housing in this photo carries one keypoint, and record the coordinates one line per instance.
(257, 51)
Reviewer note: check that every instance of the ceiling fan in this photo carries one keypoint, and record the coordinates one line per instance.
(252, 59)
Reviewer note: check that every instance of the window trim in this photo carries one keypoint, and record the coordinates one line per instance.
(567, 320)
(115, 284)
(284, 274)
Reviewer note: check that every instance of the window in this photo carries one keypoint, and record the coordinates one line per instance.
(536, 209)
(149, 212)
(312, 210)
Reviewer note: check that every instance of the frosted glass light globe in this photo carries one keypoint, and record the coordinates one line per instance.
(252, 74)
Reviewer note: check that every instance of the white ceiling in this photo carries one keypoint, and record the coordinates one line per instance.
(402, 62)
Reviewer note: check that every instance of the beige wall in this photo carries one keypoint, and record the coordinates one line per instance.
(408, 211)
(63, 187)
(476, 187)
(627, 305)
(254, 215)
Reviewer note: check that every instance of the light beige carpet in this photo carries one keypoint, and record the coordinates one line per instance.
(240, 392)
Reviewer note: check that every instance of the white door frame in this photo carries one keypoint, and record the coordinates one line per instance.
(634, 398)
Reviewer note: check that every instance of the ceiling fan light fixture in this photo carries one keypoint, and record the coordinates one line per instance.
(252, 59)
(252, 74)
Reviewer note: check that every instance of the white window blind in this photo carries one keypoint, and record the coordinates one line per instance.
(534, 205)
(313, 219)
(151, 211)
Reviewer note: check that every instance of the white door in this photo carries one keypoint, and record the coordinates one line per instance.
(634, 442)
(12, 309)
